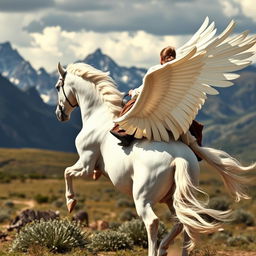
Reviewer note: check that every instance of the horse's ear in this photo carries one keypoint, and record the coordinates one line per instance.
(61, 70)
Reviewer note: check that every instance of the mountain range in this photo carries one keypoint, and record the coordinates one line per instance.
(27, 121)
(23, 75)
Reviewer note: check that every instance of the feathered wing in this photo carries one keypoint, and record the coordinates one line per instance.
(172, 95)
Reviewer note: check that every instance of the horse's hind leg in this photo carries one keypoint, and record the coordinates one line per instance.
(169, 238)
(151, 222)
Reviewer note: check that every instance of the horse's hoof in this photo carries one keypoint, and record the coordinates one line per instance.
(96, 174)
(71, 205)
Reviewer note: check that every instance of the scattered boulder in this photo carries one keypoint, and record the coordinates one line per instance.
(99, 225)
(102, 225)
(82, 218)
(30, 215)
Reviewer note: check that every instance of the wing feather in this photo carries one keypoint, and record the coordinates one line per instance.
(172, 94)
(147, 132)
(155, 133)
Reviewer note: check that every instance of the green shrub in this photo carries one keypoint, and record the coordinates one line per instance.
(41, 199)
(125, 203)
(4, 215)
(17, 194)
(221, 236)
(114, 225)
(36, 176)
(219, 203)
(5, 178)
(110, 191)
(238, 241)
(9, 204)
(137, 231)
(58, 203)
(243, 217)
(110, 240)
(127, 215)
(203, 252)
(56, 235)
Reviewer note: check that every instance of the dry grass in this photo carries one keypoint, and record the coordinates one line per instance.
(99, 199)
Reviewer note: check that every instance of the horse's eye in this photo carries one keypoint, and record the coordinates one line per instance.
(58, 88)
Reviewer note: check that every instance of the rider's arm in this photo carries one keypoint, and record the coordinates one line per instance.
(135, 92)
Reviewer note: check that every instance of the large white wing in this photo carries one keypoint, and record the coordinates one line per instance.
(173, 94)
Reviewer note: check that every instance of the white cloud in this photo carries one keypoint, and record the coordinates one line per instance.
(229, 9)
(48, 40)
(248, 8)
(11, 28)
(137, 49)
(55, 44)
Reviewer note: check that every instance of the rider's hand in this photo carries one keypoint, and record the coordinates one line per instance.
(130, 92)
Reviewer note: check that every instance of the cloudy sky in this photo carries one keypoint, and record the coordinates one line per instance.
(132, 32)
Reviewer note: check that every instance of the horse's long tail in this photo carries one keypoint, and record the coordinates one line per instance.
(228, 168)
(188, 209)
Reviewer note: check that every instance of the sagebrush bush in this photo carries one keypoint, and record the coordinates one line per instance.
(59, 203)
(219, 203)
(238, 241)
(4, 215)
(125, 203)
(17, 194)
(203, 252)
(41, 199)
(56, 235)
(114, 225)
(110, 240)
(221, 236)
(9, 204)
(127, 215)
(137, 231)
(243, 217)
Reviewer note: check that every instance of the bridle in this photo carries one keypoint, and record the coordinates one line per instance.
(62, 79)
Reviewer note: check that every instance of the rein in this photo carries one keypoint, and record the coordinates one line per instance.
(62, 86)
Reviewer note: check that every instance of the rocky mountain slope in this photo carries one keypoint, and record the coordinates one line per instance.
(26, 121)
(229, 117)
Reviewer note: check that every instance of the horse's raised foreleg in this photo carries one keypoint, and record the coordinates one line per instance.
(70, 195)
(151, 222)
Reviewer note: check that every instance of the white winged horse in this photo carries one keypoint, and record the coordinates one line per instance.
(158, 168)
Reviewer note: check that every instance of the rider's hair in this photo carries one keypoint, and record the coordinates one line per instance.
(167, 54)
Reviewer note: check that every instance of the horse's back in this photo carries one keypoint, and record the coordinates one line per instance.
(163, 151)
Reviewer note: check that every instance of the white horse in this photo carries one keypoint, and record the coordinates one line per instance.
(149, 171)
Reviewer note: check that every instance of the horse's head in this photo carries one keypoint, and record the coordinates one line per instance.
(66, 99)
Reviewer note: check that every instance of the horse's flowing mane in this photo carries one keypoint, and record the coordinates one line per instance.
(104, 85)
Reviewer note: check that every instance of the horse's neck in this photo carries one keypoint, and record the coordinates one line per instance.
(94, 138)
(96, 117)
(98, 123)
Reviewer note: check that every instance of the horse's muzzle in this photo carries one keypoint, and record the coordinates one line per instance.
(60, 114)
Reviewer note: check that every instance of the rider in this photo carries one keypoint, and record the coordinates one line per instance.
(167, 54)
